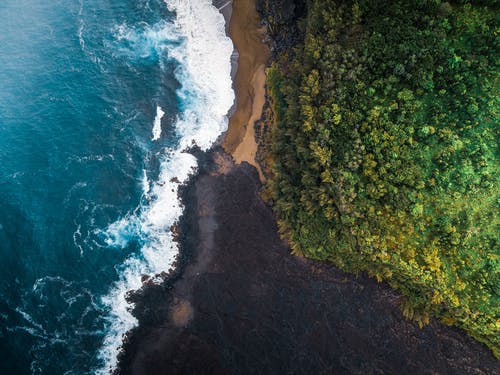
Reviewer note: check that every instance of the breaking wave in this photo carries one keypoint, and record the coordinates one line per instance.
(196, 41)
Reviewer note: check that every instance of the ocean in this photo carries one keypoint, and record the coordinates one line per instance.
(100, 103)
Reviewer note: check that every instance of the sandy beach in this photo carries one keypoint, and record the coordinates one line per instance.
(247, 33)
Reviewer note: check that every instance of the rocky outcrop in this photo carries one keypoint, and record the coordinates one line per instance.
(281, 18)
(243, 305)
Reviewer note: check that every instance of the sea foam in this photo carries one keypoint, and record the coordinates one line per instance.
(206, 95)
(157, 124)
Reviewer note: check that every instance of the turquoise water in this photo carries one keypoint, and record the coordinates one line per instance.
(98, 102)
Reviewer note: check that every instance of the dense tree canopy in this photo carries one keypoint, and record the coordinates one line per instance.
(385, 151)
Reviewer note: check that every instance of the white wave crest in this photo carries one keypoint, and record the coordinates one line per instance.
(157, 124)
(206, 95)
(146, 186)
(206, 74)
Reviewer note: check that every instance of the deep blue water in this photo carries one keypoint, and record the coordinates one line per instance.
(84, 209)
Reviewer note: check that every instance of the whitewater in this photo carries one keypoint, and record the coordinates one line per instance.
(202, 54)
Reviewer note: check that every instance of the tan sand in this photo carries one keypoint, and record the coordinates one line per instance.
(247, 34)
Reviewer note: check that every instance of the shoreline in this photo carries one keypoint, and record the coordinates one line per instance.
(225, 7)
(238, 302)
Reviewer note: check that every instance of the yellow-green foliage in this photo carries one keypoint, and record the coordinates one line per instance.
(386, 151)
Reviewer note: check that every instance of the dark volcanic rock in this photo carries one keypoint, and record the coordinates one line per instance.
(243, 305)
(281, 17)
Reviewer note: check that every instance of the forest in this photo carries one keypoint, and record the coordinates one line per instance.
(383, 156)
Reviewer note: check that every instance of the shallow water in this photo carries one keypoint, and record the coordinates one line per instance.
(98, 101)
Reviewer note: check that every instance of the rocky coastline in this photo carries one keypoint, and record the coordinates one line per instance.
(239, 303)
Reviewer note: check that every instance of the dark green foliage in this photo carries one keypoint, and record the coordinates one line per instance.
(386, 155)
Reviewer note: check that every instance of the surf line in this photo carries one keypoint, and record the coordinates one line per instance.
(207, 96)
